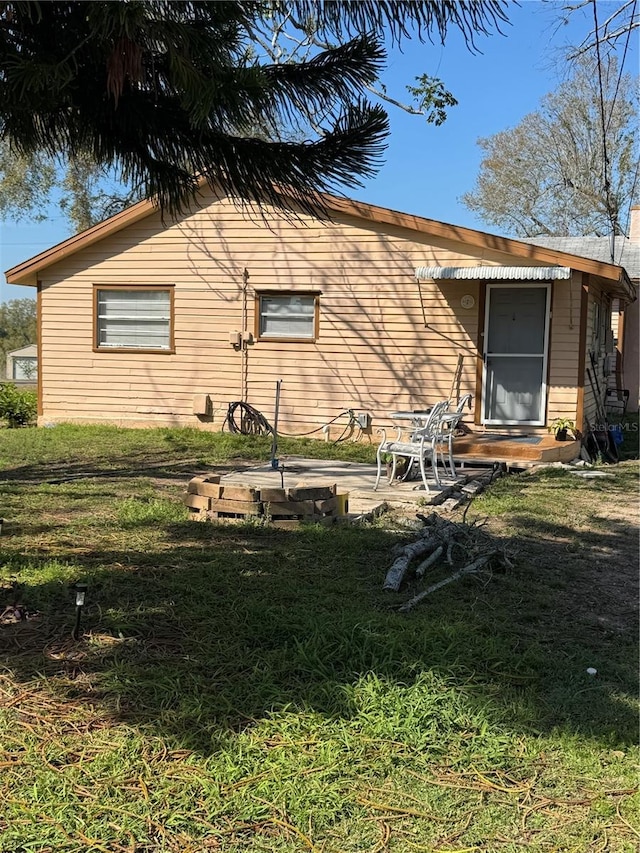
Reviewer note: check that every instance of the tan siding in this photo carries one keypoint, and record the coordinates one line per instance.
(591, 407)
(630, 350)
(385, 341)
(562, 395)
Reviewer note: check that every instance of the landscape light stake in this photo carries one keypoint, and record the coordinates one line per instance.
(81, 593)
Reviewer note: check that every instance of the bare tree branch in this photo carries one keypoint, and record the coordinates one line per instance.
(547, 174)
(620, 23)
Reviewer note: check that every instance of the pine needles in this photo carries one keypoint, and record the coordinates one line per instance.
(170, 93)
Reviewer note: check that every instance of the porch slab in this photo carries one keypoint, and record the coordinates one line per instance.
(356, 478)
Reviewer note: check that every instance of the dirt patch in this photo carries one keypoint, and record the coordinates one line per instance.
(584, 543)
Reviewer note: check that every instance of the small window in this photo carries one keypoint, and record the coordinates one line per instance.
(601, 326)
(287, 316)
(134, 319)
(25, 368)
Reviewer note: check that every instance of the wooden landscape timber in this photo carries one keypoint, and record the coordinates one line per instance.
(208, 499)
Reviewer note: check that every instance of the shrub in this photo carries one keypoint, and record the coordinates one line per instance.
(18, 406)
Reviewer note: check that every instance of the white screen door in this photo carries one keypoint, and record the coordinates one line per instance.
(515, 355)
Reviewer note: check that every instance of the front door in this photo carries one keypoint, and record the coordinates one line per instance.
(515, 355)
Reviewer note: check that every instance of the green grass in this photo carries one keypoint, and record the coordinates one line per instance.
(249, 689)
(73, 448)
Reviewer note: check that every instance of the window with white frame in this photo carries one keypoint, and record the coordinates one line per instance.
(25, 368)
(287, 316)
(134, 318)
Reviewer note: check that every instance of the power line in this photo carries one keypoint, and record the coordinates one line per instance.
(605, 153)
(622, 62)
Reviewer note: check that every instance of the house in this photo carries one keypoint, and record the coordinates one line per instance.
(143, 322)
(623, 370)
(22, 365)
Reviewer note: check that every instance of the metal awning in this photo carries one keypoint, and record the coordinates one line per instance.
(494, 273)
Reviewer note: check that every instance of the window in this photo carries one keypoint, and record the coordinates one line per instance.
(287, 316)
(601, 330)
(134, 319)
(25, 368)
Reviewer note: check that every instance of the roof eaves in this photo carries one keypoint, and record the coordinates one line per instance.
(470, 236)
(26, 272)
(629, 288)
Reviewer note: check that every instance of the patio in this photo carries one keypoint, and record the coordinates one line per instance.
(355, 478)
(475, 456)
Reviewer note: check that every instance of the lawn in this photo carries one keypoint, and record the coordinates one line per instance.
(238, 688)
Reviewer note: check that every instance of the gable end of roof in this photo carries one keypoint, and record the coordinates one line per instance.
(26, 273)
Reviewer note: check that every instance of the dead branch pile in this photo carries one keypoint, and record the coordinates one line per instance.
(467, 548)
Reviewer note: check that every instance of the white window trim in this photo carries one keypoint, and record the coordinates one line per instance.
(20, 360)
(544, 354)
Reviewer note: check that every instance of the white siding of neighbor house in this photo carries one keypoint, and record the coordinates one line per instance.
(22, 365)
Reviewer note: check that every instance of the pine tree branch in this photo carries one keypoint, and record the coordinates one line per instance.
(161, 90)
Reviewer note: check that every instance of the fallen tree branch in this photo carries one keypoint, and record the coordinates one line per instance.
(472, 568)
(400, 565)
(438, 531)
(450, 551)
(466, 548)
(422, 568)
(484, 482)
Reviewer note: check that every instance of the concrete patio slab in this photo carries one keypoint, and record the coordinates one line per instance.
(353, 477)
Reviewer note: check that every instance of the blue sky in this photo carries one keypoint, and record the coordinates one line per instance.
(427, 168)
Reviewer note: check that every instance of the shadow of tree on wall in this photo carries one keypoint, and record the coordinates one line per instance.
(375, 352)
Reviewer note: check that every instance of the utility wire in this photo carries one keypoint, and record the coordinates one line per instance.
(319, 429)
(613, 103)
(622, 62)
(607, 182)
(252, 422)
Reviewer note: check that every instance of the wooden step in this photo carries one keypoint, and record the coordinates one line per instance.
(510, 449)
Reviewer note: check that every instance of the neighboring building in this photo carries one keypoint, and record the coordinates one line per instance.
(623, 371)
(144, 323)
(22, 365)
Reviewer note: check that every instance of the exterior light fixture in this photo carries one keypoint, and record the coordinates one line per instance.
(80, 590)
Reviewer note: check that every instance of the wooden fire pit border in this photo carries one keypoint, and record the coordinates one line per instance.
(208, 499)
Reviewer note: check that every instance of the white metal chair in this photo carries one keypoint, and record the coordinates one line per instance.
(464, 401)
(418, 449)
(448, 423)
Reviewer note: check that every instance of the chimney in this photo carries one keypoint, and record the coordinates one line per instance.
(634, 224)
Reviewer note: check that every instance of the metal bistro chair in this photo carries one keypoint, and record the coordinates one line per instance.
(419, 448)
(448, 424)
